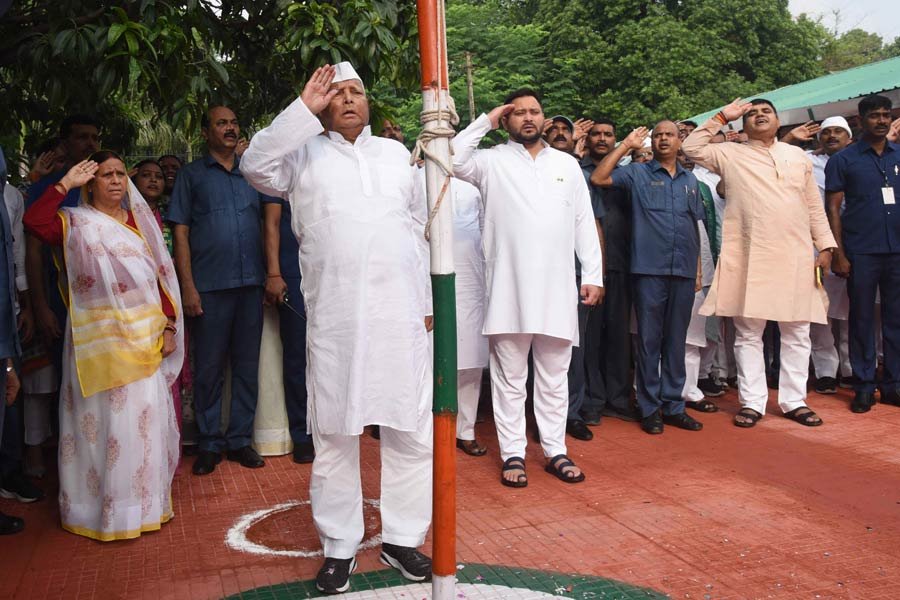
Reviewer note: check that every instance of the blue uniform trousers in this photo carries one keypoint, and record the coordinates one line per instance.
(868, 273)
(293, 342)
(663, 307)
(229, 328)
(577, 364)
(607, 351)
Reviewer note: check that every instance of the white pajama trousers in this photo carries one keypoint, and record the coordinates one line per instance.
(748, 353)
(335, 488)
(829, 355)
(37, 419)
(468, 385)
(509, 370)
(692, 355)
(707, 358)
(724, 363)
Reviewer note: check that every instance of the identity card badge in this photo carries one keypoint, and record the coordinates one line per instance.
(887, 195)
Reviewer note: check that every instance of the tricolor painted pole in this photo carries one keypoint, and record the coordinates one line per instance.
(436, 97)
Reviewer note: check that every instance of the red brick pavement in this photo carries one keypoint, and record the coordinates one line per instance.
(778, 511)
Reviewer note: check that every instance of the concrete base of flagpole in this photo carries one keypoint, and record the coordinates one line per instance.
(443, 587)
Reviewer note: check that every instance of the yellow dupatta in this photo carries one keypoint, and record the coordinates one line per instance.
(114, 274)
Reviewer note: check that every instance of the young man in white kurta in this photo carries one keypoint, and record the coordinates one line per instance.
(537, 213)
(358, 216)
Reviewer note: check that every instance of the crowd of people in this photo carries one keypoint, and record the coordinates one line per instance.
(629, 276)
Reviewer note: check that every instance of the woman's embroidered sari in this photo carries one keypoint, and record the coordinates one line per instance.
(118, 444)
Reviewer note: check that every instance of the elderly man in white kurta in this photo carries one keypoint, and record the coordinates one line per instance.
(358, 216)
(766, 271)
(537, 213)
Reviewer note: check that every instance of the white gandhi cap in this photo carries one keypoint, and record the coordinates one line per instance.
(837, 122)
(344, 71)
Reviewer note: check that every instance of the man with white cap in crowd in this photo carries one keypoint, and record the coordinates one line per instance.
(644, 154)
(829, 359)
(766, 272)
(537, 215)
(358, 216)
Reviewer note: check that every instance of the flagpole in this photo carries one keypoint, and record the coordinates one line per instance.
(436, 117)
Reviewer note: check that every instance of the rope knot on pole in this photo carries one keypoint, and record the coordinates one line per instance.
(423, 141)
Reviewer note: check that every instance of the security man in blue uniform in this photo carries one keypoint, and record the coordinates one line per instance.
(283, 291)
(864, 177)
(665, 250)
(218, 255)
(607, 338)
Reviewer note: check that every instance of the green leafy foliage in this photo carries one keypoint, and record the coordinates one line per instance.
(637, 61)
(165, 61)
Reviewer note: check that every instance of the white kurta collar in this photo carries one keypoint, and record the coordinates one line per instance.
(363, 136)
(521, 148)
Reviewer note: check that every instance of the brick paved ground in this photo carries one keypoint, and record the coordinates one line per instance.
(778, 511)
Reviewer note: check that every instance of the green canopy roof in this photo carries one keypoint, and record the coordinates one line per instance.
(833, 94)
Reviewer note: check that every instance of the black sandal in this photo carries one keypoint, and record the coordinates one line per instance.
(514, 463)
(808, 418)
(556, 468)
(471, 447)
(706, 406)
(747, 413)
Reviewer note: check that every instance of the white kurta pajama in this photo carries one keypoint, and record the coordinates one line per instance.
(696, 334)
(773, 216)
(827, 356)
(471, 344)
(537, 214)
(358, 216)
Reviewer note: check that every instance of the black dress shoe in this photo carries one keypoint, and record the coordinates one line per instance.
(683, 421)
(206, 462)
(304, 453)
(578, 430)
(247, 456)
(892, 397)
(862, 402)
(10, 525)
(653, 423)
(629, 415)
(591, 417)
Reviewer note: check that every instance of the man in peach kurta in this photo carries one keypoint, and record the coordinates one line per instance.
(773, 213)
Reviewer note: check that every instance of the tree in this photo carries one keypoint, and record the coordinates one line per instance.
(637, 61)
(170, 59)
(856, 47)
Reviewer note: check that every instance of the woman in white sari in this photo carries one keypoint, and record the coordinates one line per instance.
(118, 445)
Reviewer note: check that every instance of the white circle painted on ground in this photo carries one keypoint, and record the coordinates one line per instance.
(420, 591)
(236, 538)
